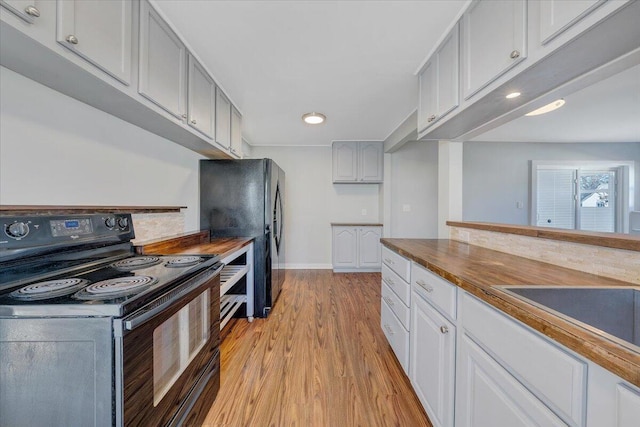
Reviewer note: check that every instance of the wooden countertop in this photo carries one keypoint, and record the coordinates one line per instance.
(193, 244)
(478, 270)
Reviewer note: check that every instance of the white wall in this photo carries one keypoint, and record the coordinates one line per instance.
(414, 182)
(312, 202)
(55, 150)
(497, 174)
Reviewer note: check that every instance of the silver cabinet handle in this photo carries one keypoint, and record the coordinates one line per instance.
(72, 39)
(431, 118)
(184, 116)
(193, 121)
(514, 54)
(388, 328)
(444, 329)
(389, 261)
(388, 300)
(33, 11)
(389, 281)
(424, 286)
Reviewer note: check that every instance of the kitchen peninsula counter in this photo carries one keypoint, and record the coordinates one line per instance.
(481, 271)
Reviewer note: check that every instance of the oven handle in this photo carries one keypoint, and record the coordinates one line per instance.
(169, 298)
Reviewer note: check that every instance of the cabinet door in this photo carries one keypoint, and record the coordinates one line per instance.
(201, 98)
(25, 9)
(448, 74)
(558, 15)
(370, 161)
(163, 63)
(432, 361)
(427, 103)
(236, 132)
(345, 162)
(487, 395)
(223, 119)
(100, 32)
(493, 41)
(345, 247)
(369, 247)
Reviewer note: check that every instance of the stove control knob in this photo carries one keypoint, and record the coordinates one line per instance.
(110, 222)
(17, 230)
(123, 222)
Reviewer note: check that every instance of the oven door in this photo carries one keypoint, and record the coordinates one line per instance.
(165, 349)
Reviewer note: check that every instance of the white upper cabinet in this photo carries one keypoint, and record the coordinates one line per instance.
(493, 41)
(163, 62)
(223, 120)
(345, 161)
(558, 15)
(439, 82)
(27, 10)
(201, 99)
(236, 132)
(358, 162)
(100, 32)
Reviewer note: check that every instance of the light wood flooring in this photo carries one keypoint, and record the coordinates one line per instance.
(319, 359)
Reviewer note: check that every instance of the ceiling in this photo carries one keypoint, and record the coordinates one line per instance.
(607, 111)
(354, 61)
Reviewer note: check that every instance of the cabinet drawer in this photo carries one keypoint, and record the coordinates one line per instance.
(397, 263)
(396, 334)
(396, 305)
(397, 284)
(555, 377)
(435, 289)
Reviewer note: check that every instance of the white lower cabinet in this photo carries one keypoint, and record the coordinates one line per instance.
(487, 395)
(356, 248)
(396, 334)
(432, 360)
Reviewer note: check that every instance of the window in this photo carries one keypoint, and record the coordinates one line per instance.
(576, 195)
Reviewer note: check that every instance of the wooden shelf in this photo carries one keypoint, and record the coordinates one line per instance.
(83, 209)
(229, 276)
(229, 304)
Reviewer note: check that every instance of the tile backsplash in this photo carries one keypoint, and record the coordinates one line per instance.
(614, 263)
(153, 226)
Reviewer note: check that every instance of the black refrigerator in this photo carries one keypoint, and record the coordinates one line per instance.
(245, 198)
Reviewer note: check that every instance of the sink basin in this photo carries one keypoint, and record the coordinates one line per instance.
(612, 312)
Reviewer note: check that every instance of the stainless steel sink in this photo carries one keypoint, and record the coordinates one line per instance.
(612, 312)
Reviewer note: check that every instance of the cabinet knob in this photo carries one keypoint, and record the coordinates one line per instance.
(444, 329)
(193, 121)
(33, 11)
(72, 39)
(431, 118)
(514, 54)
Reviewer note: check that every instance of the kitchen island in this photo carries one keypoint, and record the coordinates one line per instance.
(484, 338)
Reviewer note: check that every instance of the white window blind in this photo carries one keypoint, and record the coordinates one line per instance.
(556, 198)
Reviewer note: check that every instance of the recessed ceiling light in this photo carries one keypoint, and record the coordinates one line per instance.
(547, 108)
(314, 118)
(513, 95)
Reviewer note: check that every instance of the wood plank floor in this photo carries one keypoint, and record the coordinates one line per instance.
(319, 359)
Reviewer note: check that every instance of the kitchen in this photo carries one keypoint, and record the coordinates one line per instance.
(157, 172)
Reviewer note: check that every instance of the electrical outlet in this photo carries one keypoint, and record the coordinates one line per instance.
(406, 208)
(364, 212)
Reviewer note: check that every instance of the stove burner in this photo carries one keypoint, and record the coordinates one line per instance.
(115, 288)
(183, 261)
(135, 263)
(49, 289)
